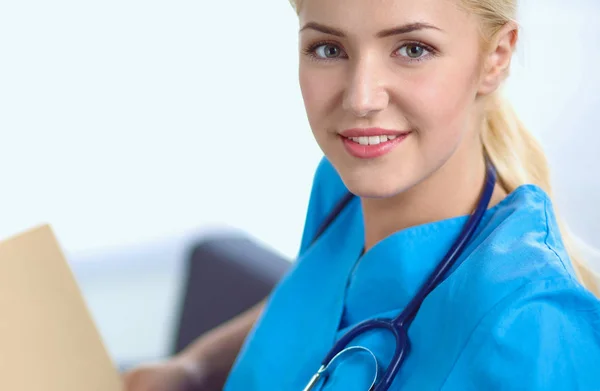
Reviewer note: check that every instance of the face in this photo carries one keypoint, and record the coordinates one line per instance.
(390, 88)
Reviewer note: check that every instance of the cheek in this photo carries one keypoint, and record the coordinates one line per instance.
(318, 89)
(312, 94)
(441, 102)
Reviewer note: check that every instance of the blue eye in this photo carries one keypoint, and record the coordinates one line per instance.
(327, 51)
(413, 51)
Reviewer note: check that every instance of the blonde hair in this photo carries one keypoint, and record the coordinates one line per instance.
(516, 154)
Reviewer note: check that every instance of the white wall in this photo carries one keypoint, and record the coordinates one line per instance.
(555, 86)
(127, 122)
(123, 121)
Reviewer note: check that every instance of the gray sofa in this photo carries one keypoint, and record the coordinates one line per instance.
(150, 300)
(224, 276)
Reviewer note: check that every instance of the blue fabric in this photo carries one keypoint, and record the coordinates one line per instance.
(510, 316)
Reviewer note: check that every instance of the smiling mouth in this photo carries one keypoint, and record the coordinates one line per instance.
(371, 147)
(372, 140)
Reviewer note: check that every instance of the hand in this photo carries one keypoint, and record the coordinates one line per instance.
(171, 375)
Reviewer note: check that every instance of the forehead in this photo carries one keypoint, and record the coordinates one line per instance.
(362, 16)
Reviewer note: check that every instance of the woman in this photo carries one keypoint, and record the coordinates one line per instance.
(402, 97)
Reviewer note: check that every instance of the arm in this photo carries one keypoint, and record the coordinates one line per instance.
(214, 353)
(203, 366)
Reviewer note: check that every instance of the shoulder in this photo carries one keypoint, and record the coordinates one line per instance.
(327, 190)
(534, 325)
(520, 243)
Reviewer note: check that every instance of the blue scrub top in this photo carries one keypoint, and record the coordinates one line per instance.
(510, 316)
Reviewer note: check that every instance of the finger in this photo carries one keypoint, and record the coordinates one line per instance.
(130, 379)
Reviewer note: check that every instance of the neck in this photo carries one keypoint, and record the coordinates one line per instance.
(450, 191)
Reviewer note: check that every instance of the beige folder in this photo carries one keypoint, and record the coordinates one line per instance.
(48, 341)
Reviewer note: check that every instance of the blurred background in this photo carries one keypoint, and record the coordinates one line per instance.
(137, 127)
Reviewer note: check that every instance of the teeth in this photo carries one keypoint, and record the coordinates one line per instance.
(372, 140)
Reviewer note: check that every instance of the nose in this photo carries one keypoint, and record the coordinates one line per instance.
(365, 92)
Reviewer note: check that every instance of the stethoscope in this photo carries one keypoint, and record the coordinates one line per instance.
(399, 326)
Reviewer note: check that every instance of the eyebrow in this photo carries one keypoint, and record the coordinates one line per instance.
(403, 29)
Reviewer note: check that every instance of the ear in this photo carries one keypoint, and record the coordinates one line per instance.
(496, 63)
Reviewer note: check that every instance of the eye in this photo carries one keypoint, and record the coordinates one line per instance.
(413, 51)
(327, 51)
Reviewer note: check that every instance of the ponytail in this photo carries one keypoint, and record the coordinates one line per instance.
(519, 159)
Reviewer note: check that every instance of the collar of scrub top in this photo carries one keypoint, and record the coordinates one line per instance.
(399, 326)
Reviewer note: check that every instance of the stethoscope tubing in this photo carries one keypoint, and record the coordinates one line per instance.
(399, 325)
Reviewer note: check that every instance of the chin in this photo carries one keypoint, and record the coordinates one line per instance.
(375, 178)
(368, 186)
